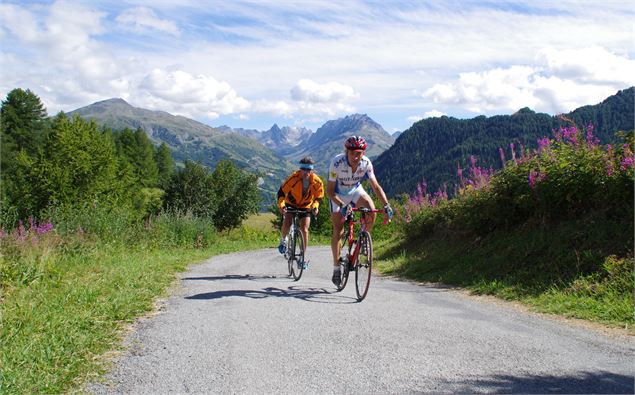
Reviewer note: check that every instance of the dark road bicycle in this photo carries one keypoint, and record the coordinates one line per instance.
(357, 254)
(295, 244)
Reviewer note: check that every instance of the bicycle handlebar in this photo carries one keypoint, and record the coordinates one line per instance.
(293, 210)
(365, 210)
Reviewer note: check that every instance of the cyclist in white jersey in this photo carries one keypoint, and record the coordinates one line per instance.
(344, 189)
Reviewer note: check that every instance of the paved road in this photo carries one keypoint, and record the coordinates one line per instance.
(238, 325)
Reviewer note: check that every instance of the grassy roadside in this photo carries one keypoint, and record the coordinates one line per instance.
(527, 266)
(54, 331)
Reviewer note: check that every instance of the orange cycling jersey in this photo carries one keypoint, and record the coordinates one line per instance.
(291, 192)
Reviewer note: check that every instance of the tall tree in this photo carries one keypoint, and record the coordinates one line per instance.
(78, 166)
(165, 165)
(137, 149)
(23, 126)
(23, 116)
(237, 195)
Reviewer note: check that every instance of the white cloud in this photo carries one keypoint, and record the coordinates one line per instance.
(278, 107)
(427, 114)
(143, 19)
(593, 65)
(309, 91)
(58, 53)
(311, 98)
(20, 23)
(499, 88)
(433, 114)
(482, 56)
(191, 95)
(560, 82)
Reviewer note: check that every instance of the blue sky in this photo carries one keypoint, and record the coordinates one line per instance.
(250, 64)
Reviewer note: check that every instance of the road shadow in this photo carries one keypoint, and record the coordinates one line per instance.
(582, 383)
(316, 295)
(235, 277)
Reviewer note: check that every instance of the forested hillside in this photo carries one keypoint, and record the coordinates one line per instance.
(66, 164)
(433, 149)
(188, 139)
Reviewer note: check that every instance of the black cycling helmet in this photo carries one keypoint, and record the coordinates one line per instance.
(356, 143)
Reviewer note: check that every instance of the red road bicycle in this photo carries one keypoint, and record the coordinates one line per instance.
(359, 252)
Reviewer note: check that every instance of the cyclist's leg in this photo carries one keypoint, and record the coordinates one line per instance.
(304, 227)
(338, 227)
(286, 224)
(366, 201)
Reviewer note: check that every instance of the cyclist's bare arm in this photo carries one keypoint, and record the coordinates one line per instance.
(379, 191)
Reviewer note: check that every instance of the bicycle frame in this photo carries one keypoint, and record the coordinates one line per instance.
(350, 222)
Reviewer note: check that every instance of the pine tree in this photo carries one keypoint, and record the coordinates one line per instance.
(78, 166)
(137, 149)
(165, 165)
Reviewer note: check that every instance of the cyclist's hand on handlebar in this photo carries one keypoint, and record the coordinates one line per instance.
(345, 210)
(283, 210)
(315, 212)
(388, 211)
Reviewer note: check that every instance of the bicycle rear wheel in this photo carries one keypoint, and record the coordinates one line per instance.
(345, 265)
(364, 265)
(297, 267)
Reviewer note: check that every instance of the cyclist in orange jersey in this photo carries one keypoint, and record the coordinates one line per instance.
(303, 190)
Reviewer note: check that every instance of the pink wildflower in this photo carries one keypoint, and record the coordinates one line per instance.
(543, 144)
(44, 228)
(591, 140)
(532, 179)
(570, 135)
(626, 163)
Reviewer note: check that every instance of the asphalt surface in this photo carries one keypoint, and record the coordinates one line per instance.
(237, 324)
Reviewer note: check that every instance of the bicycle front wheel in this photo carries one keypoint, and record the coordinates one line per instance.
(290, 253)
(364, 265)
(298, 256)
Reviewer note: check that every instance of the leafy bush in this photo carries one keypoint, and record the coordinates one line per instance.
(567, 177)
(236, 193)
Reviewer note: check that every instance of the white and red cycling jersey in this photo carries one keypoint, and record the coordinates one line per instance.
(347, 183)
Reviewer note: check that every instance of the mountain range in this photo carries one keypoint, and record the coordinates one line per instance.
(429, 150)
(272, 154)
